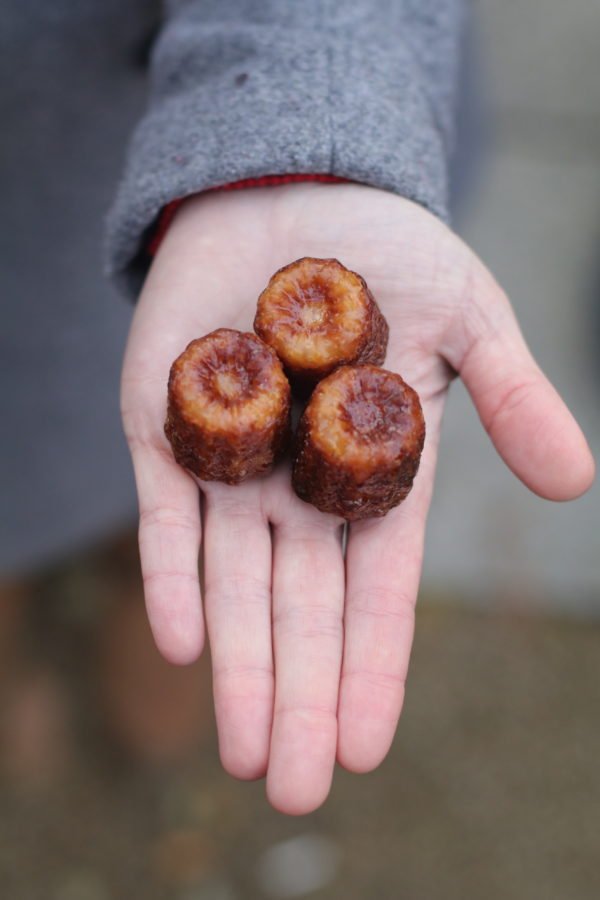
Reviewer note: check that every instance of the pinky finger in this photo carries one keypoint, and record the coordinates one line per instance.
(169, 540)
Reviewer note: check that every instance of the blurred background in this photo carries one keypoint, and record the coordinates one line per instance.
(110, 784)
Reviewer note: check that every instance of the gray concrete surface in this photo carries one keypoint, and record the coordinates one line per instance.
(534, 218)
(490, 790)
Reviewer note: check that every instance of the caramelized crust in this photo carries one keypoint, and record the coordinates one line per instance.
(228, 411)
(359, 443)
(318, 315)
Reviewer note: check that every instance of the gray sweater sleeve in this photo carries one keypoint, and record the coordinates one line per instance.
(243, 88)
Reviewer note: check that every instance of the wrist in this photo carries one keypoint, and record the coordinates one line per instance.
(167, 214)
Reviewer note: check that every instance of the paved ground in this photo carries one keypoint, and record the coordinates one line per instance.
(110, 785)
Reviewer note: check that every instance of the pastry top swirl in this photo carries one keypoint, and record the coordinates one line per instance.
(367, 418)
(317, 315)
(227, 380)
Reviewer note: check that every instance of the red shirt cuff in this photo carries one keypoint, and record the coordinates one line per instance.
(168, 212)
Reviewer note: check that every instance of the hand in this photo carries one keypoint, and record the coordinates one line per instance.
(310, 651)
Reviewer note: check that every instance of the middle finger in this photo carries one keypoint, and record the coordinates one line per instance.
(308, 598)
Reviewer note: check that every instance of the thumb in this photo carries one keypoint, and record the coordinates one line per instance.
(527, 421)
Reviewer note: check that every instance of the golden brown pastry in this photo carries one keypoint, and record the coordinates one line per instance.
(228, 413)
(359, 443)
(318, 315)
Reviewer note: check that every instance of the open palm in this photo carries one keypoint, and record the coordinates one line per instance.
(310, 648)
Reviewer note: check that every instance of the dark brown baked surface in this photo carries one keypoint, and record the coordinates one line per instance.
(228, 411)
(359, 443)
(318, 315)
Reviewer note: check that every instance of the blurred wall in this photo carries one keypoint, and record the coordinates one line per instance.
(534, 218)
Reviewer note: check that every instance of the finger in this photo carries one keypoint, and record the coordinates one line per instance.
(237, 569)
(308, 596)
(169, 539)
(383, 568)
(530, 426)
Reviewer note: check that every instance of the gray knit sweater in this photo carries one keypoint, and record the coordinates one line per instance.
(238, 88)
(244, 88)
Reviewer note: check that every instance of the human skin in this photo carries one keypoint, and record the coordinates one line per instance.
(310, 648)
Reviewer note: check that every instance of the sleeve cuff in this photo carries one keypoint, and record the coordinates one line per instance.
(242, 90)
